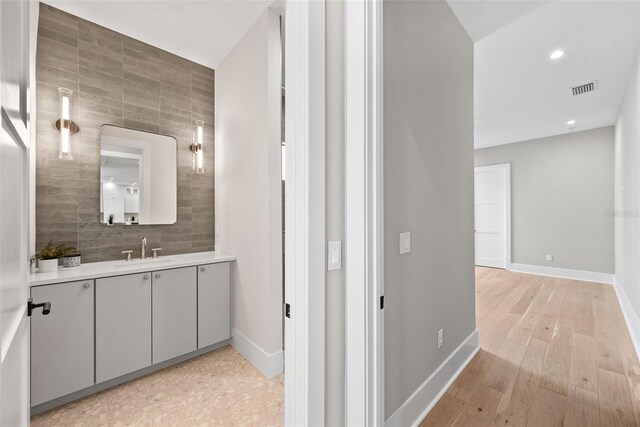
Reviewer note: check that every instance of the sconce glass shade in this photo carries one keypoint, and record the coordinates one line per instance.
(197, 147)
(64, 124)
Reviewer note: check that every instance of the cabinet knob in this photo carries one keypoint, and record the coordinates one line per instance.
(86, 286)
(146, 277)
(202, 269)
(157, 275)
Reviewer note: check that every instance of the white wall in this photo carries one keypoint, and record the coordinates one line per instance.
(334, 210)
(428, 191)
(561, 199)
(627, 191)
(248, 189)
(334, 187)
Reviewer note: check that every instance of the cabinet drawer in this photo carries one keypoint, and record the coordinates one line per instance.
(214, 317)
(62, 352)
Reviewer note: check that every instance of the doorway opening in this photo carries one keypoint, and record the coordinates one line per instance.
(256, 316)
(493, 216)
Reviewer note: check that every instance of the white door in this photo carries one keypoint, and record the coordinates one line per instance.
(14, 197)
(492, 216)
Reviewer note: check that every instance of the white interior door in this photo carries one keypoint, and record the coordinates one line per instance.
(14, 199)
(492, 216)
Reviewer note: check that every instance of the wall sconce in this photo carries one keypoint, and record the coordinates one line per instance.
(64, 124)
(197, 147)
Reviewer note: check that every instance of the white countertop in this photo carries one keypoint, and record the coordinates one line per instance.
(117, 268)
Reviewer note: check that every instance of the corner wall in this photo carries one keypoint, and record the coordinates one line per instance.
(428, 191)
(561, 199)
(627, 196)
(248, 182)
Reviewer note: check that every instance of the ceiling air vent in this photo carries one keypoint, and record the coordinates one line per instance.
(587, 87)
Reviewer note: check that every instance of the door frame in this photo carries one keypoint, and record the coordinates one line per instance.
(506, 241)
(17, 344)
(304, 209)
(364, 211)
(305, 212)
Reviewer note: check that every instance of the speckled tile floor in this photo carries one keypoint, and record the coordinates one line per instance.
(216, 389)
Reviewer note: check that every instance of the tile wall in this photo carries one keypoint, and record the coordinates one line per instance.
(120, 81)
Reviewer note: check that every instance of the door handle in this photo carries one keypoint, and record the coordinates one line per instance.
(46, 307)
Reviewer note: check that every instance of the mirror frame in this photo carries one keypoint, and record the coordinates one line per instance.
(100, 175)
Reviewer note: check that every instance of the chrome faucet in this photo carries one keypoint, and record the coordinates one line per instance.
(143, 254)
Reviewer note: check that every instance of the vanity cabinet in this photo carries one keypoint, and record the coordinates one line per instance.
(214, 317)
(123, 325)
(62, 341)
(174, 308)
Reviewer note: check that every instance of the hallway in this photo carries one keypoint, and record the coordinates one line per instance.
(552, 352)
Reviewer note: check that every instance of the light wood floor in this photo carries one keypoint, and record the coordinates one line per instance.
(553, 352)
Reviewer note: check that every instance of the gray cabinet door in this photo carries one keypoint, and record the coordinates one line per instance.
(123, 325)
(62, 341)
(174, 313)
(214, 318)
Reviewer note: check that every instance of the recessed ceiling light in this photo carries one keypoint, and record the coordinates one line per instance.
(556, 54)
(571, 122)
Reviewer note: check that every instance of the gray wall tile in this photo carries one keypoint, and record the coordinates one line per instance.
(121, 81)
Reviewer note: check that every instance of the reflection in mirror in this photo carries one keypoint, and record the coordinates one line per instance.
(138, 177)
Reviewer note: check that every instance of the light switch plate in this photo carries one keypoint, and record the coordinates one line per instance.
(405, 243)
(334, 255)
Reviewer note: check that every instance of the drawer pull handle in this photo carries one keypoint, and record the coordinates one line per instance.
(202, 269)
(157, 275)
(86, 286)
(146, 277)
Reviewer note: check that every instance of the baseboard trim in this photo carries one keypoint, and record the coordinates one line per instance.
(564, 273)
(269, 365)
(630, 316)
(418, 405)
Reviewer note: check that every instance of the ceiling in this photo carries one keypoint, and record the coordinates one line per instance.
(201, 31)
(522, 94)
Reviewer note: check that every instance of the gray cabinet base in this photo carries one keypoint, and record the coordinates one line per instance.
(43, 407)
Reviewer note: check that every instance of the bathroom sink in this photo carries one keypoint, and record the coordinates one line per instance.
(141, 262)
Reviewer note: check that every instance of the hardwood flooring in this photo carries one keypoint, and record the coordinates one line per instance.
(553, 352)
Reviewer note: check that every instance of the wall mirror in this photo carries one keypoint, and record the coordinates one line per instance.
(138, 177)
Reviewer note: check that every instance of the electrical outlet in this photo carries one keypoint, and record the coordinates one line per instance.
(440, 338)
(549, 257)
